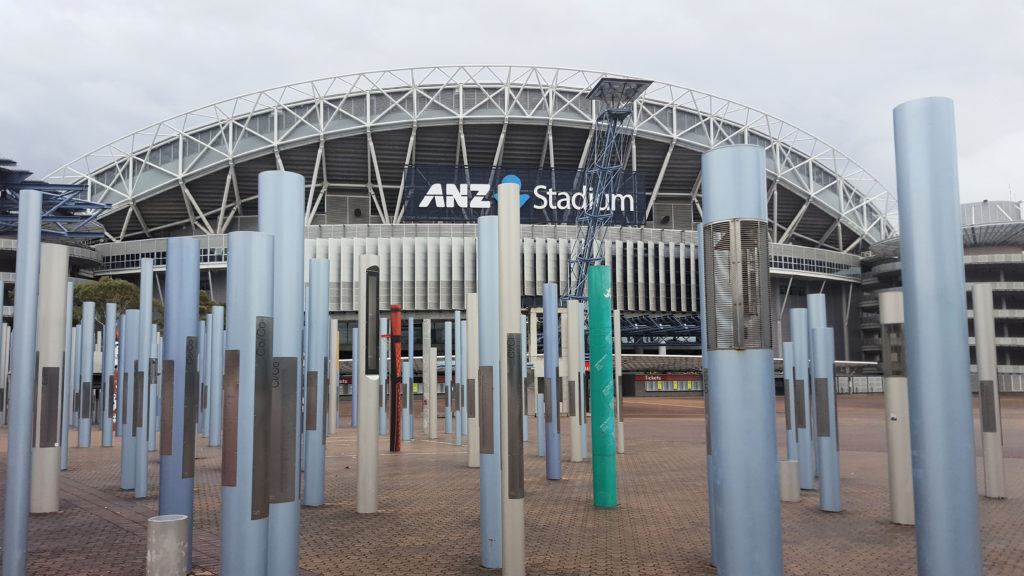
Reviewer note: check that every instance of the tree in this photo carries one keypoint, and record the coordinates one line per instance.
(126, 296)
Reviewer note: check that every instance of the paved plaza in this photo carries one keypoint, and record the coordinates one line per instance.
(428, 521)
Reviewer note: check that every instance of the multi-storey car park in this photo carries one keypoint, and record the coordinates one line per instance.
(367, 143)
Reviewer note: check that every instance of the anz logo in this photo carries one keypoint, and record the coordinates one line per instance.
(457, 196)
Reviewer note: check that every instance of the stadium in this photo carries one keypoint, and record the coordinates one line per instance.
(396, 161)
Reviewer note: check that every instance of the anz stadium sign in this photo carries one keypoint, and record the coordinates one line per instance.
(547, 196)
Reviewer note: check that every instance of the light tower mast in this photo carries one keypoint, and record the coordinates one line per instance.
(602, 177)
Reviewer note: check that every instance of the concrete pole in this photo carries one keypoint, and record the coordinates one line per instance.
(988, 391)
(938, 370)
(897, 408)
(253, 381)
(801, 402)
(382, 372)
(85, 394)
(552, 418)
(107, 409)
(408, 376)
(53, 278)
(369, 368)
(68, 368)
(602, 370)
(281, 212)
(472, 378)
(789, 399)
(355, 377)
(620, 428)
(216, 375)
(145, 334)
(315, 426)
(513, 545)
(823, 352)
(739, 363)
(167, 545)
(489, 377)
(448, 377)
(23, 377)
(575, 426)
(332, 375)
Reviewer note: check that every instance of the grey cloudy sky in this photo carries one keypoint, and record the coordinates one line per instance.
(77, 75)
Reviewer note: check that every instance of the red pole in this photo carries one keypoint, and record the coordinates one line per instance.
(396, 379)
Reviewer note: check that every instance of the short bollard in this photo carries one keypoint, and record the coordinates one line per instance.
(789, 480)
(167, 545)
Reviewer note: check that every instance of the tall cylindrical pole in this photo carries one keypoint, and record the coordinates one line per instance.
(216, 375)
(107, 409)
(938, 372)
(575, 418)
(463, 355)
(620, 428)
(513, 546)
(429, 383)
(802, 396)
(23, 378)
(156, 353)
(281, 214)
(740, 365)
(988, 391)
(53, 278)
(396, 394)
(122, 377)
(823, 352)
(141, 423)
(602, 382)
(382, 380)
(369, 374)
(789, 399)
(67, 395)
(332, 375)
(408, 376)
(354, 419)
(129, 357)
(448, 379)
(253, 381)
(489, 377)
(315, 426)
(552, 419)
(897, 409)
(85, 395)
(457, 377)
(473, 378)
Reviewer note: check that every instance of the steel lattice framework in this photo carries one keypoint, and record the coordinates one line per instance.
(352, 136)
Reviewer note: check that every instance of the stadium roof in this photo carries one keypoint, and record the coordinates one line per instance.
(352, 137)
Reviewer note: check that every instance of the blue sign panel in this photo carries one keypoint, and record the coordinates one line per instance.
(547, 196)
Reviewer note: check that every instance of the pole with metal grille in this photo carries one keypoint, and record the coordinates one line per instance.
(739, 361)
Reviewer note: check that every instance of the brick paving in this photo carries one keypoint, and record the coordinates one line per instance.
(428, 521)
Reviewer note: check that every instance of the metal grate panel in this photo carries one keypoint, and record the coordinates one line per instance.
(736, 281)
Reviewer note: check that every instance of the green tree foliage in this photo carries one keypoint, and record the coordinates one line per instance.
(126, 296)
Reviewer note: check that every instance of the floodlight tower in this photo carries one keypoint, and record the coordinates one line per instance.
(603, 176)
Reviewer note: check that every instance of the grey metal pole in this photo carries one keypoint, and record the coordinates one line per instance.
(409, 376)
(448, 379)
(823, 353)
(281, 214)
(155, 372)
(369, 376)
(581, 382)
(473, 378)
(203, 356)
(217, 376)
(253, 381)
(513, 546)
(988, 391)
(552, 419)
(23, 377)
(354, 420)
(315, 426)
(107, 409)
(802, 399)
(76, 362)
(573, 313)
(463, 355)
(457, 382)
(122, 378)
(140, 423)
(85, 396)
(815, 319)
(523, 375)
(620, 429)
(787, 379)
(382, 372)
(489, 377)
(938, 372)
(53, 277)
(740, 364)
(68, 384)
(332, 376)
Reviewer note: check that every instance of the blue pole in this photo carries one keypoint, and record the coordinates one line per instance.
(382, 413)
(216, 376)
(938, 377)
(740, 364)
(76, 371)
(145, 335)
(106, 410)
(251, 374)
(281, 214)
(154, 384)
(522, 371)
(552, 421)
(787, 378)
(448, 378)
(802, 396)
(407, 378)
(85, 397)
(129, 348)
(122, 377)
(490, 409)
(23, 377)
(203, 356)
(815, 319)
(181, 380)
(823, 352)
(69, 363)
(315, 426)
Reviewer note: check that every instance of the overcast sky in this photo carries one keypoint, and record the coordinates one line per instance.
(77, 75)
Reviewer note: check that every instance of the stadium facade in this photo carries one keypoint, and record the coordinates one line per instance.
(400, 162)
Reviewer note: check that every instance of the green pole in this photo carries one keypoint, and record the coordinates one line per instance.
(602, 370)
